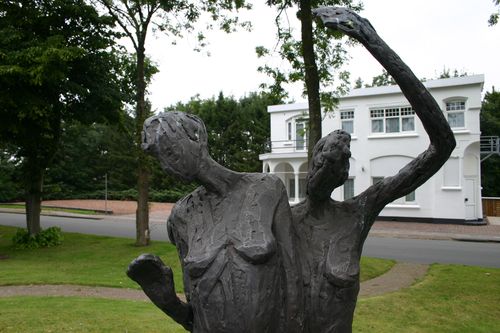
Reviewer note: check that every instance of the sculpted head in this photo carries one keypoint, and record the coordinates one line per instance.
(329, 167)
(178, 140)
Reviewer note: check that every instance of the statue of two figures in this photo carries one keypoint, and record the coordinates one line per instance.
(250, 262)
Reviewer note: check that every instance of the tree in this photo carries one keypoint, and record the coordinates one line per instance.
(448, 73)
(238, 130)
(88, 152)
(490, 126)
(57, 63)
(312, 60)
(136, 19)
(384, 79)
(494, 16)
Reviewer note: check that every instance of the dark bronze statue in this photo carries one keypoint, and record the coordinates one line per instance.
(234, 239)
(249, 264)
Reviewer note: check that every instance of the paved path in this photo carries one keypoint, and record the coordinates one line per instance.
(402, 275)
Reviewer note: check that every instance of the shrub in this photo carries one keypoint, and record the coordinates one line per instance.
(45, 238)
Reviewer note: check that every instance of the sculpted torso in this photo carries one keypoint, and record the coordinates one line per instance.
(229, 255)
(328, 244)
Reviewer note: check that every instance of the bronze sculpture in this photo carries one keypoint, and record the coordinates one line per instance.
(233, 236)
(250, 266)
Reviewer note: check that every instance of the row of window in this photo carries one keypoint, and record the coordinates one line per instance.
(402, 119)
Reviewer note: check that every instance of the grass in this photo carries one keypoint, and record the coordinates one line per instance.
(82, 259)
(451, 298)
(52, 209)
(101, 261)
(373, 267)
(76, 314)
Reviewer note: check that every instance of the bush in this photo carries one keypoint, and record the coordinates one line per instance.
(45, 238)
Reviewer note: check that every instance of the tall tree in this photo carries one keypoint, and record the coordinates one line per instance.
(238, 130)
(312, 58)
(384, 79)
(490, 126)
(494, 16)
(57, 62)
(137, 18)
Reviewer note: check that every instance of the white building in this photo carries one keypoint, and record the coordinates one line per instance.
(386, 135)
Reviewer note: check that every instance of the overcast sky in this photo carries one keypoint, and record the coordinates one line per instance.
(427, 34)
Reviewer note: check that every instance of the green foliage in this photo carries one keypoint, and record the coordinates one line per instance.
(10, 188)
(384, 79)
(494, 16)
(490, 126)
(238, 130)
(447, 73)
(330, 52)
(58, 62)
(46, 238)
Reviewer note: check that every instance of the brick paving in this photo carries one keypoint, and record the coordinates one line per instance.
(118, 207)
(489, 229)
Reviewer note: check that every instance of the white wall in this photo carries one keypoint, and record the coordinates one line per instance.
(384, 154)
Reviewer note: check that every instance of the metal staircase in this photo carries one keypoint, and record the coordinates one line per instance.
(489, 146)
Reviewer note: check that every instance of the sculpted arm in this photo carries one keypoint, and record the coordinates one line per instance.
(157, 282)
(442, 141)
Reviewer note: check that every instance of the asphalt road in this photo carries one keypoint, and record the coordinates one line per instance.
(409, 250)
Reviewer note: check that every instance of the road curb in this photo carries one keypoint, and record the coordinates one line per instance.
(477, 239)
(57, 214)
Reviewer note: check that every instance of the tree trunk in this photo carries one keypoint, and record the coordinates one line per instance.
(311, 76)
(33, 201)
(142, 213)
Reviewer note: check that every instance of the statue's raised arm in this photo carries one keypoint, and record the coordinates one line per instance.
(442, 141)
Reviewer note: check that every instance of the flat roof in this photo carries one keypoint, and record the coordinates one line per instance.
(386, 90)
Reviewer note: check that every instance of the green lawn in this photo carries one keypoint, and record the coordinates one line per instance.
(99, 261)
(85, 315)
(451, 298)
(82, 259)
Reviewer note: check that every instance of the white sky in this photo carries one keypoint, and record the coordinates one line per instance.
(427, 34)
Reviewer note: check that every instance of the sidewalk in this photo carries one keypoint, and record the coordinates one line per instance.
(160, 212)
(472, 233)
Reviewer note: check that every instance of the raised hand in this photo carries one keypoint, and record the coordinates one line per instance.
(344, 20)
(156, 279)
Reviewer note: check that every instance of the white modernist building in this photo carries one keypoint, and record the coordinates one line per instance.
(386, 135)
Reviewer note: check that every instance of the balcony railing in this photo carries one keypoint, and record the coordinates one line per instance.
(489, 145)
(287, 146)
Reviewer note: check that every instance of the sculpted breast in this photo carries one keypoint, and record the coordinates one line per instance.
(210, 225)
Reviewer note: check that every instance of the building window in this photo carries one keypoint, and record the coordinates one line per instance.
(393, 120)
(300, 134)
(455, 112)
(349, 188)
(347, 119)
(289, 130)
(410, 197)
